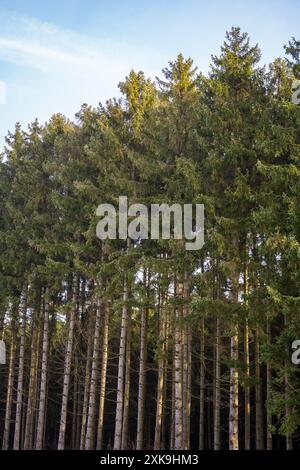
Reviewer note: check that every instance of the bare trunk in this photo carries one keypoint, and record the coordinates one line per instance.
(178, 441)
(202, 386)
(172, 439)
(234, 378)
(89, 440)
(124, 444)
(67, 375)
(247, 367)
(289, 438)
(162, 356)
(86, 387)
(10, 384)
(247, 387)
(186, 367)
(20, 391)
(269, 380)
(75, 404)
(103, 377)
(288, 411)
(32, 387)
(142, 374)
(217, 430)
(121, 373)
(164, 424)
(234, 395)
(43, 386)
(258, 398)
(189, 391)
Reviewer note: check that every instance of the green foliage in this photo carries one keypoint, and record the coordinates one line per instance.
(229, 140)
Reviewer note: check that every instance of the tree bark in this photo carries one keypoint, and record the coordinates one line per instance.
(121, 372)
(20, 391)
(247, 387)
(124, 443)
(202, 386)
(10, 384)
(43, 386)
(67, 375)
(172, 438)
(289, 438)
(234, 377)
(106, 311)
(234, 397)
(178, 426)
(142, 373)
(86, 385)
(288, 411)
(269, 385)
(89, 440)
(32, 387)
(162, 356)
(217, 429)
(186, 378)
(258, 397)
(247, 366)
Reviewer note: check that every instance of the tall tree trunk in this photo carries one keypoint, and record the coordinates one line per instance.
(142, 373)
(89, 440)
(67, 374)
(217, 408)
(172, 437)
(178, 441)
(269, 384)
(247, 387)
(234, 377)
(258, 397)
(20, 391)
(289, 438)
(75, 403)
(124, 444)
(43, 386)
(87, 376)
(186, 366)
(10, 383)
(189, 390)
(164, 424)
(288, 411)
(161, 385)
(202, 386)
(32, 387)
(234, 397)
(106, 310)
(247, 366)
(121, 372)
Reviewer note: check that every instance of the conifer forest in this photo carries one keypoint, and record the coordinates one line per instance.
(123, 344)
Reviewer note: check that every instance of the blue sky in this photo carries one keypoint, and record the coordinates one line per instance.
(56, 55)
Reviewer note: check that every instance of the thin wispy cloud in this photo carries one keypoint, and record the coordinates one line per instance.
(29, 42)
(48, 68)
(29, 53)
(57, 70)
